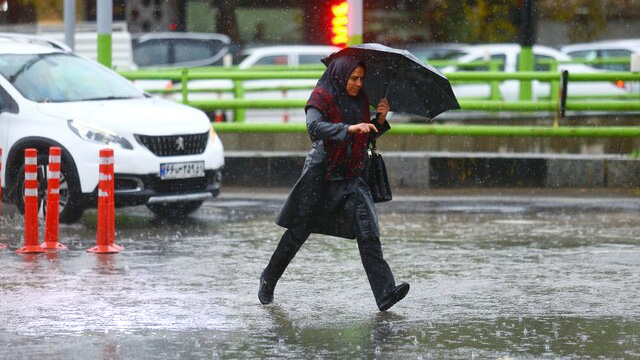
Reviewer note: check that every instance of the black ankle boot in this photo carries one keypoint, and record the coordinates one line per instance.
(265, 293)
(398, 293)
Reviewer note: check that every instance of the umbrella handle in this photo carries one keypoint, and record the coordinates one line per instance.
(390, 80)
(386, 92)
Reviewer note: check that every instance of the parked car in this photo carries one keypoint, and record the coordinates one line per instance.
(509, 90)
(166, 154)
(180, 49)
(286, 55)
(604, 50)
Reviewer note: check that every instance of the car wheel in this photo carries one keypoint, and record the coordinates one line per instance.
(70, 204)
(175, 209)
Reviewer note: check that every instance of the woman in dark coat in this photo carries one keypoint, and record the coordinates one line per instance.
(331, 197)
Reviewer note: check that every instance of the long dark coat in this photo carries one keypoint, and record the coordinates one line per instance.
(328, 203)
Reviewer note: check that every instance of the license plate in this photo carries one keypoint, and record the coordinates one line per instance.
(183, 170)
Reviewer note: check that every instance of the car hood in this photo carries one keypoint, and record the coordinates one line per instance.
(149, 116)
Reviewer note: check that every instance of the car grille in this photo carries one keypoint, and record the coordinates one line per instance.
(173, 145)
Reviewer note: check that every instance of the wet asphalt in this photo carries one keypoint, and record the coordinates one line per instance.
(493, 275)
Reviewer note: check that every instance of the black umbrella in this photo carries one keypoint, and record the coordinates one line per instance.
(409, 85)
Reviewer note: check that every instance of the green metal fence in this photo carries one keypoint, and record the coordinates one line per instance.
(239, 76)
(451, 130)
(494, 102)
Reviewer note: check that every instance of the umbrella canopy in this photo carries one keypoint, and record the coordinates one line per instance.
(409, 85)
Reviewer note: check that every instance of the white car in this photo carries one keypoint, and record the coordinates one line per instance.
(166, 154)
(286, 55)
(604, 50)
(509, 90)
(289, 55)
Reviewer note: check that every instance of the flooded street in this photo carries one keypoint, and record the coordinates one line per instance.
(491, 277)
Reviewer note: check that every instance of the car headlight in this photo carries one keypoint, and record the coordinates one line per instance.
(212, 133)
(97, 134)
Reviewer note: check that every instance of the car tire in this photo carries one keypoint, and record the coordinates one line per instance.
(71, 205)
(174, 210)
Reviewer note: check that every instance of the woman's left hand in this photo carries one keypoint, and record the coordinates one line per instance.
(382, 110)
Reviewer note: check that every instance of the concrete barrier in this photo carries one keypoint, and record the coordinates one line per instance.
(451, 170)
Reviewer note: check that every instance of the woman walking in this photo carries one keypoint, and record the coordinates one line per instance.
(331, 196)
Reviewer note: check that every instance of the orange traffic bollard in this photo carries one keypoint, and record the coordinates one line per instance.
(106, 220)
(2, 246)
(31, 242)
(111, 205)
(52, 219)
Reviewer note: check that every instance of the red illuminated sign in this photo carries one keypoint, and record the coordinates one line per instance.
(339, 24)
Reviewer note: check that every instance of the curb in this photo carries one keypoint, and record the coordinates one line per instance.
(422, 170)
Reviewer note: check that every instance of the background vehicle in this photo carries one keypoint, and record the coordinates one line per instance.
(285, 55)
(180, 49)
(509, 90)
(604, 50)
(166, 154)
(612, 49)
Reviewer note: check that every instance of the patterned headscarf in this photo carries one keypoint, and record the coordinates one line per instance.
(337, 106)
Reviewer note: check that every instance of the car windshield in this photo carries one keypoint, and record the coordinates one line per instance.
(60, 77)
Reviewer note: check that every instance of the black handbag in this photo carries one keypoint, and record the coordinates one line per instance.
(376, 175)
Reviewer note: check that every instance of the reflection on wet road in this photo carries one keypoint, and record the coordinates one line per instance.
(489, 278)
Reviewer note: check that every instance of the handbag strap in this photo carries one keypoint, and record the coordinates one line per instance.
(371, 147)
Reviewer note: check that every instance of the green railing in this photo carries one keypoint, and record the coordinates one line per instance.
(237, 77)
(222, 73)
(451, 130)
(619, 60)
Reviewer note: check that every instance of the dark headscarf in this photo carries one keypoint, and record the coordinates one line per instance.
(337, 106)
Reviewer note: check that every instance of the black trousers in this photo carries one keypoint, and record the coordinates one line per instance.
(378, 271)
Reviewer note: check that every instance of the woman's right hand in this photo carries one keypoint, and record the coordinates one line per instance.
(362, 128)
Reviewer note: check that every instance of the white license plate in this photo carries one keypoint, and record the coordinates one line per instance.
(183, 170)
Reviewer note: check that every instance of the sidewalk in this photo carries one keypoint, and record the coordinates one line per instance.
(406, 194)
(490, 198)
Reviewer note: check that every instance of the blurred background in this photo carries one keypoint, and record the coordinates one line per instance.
(249, 22)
